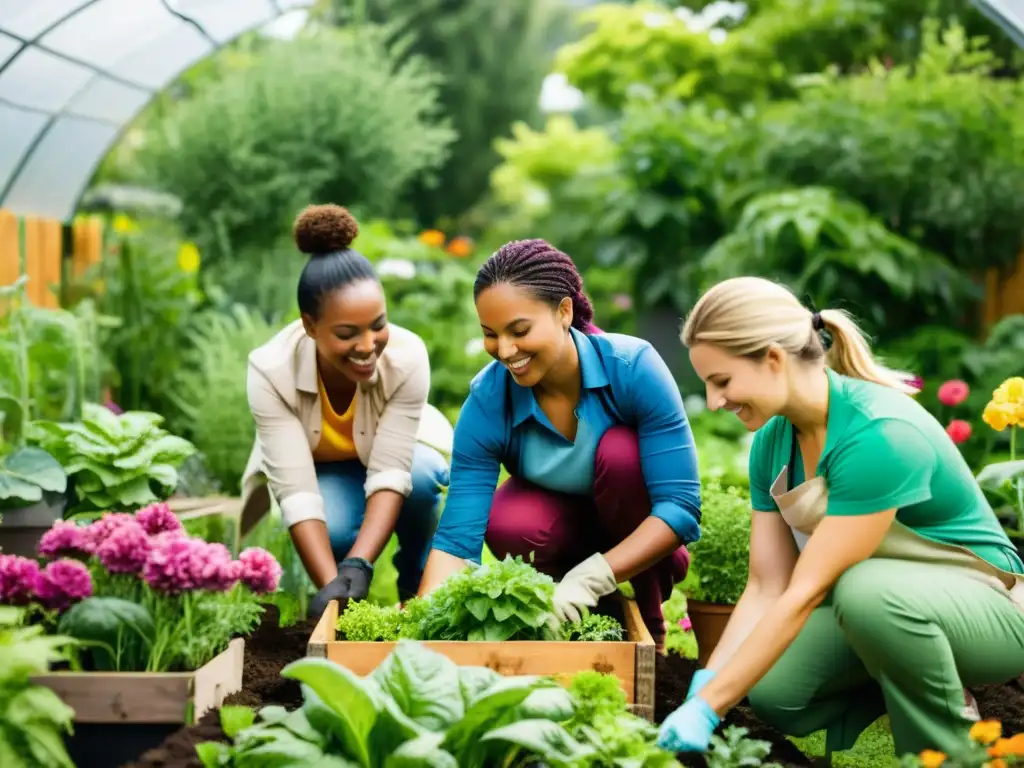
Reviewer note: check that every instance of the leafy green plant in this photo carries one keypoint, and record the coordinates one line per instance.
(115, 462)
(33, 719)
(26, 472)
(593, 627)
(719, 559)
(419, 709)
(364, 621)
(732, 749)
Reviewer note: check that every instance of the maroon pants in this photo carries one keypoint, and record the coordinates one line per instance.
(562, 530)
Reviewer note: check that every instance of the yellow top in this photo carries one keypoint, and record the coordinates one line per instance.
(336, 443)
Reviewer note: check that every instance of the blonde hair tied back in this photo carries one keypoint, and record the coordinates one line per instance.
(746, 315)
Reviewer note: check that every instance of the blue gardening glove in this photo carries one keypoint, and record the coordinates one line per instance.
(689, 728)
(700, 678)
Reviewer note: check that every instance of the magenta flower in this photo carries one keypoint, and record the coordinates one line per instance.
(98, 531)
(126, 549)
(213, 569)
(17, 579)
(260, 570)
(62, 583)
(169, 565)
(686, 624)
(158, 518)
(64, 538)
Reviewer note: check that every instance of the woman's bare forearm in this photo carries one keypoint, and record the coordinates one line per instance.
(313, 545)
(382, 510)
(440, 565)
(650, 543)
(750, 609)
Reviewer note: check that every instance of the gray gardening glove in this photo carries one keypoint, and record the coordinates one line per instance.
(584, 585)
(351, 583)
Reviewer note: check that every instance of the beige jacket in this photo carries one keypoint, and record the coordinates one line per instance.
(285, 402)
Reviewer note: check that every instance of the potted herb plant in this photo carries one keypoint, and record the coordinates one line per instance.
(140, 595)
(32, 481)
(718, 564)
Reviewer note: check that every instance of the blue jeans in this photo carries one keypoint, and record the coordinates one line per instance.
(341, 486)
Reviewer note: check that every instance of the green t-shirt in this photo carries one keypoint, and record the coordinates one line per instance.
(884, 450)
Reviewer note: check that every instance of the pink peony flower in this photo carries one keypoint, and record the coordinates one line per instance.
(686, 624)
(158, 518)
(953, 392)
(169, 565)
(260, 570)
(126, 549)
(17, 579)
(98, 531)
(959, 431)
(213, 569)
(63, 538)
(62, 583)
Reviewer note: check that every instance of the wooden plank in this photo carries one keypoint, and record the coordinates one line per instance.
(559, 659)
(10, 254)
(33, 242)
(643, 672)
(148, 697)
(88, 244)
(218, 679)
(50, 238)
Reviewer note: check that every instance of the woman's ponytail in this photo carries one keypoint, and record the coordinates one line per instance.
(850, 355)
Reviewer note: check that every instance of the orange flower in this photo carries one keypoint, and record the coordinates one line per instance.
(932, 759)
(1011, 747)
(986, 731)
(432, 237)
(460, 247)
(995, 764)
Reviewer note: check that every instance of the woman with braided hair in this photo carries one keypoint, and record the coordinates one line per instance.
(604, 485)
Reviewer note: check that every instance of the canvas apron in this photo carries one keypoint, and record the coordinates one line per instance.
(803, 507)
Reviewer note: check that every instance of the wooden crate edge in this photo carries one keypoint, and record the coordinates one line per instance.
(164, 697)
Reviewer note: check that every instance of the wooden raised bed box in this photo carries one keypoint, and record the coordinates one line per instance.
(631, 660)
(120, 715)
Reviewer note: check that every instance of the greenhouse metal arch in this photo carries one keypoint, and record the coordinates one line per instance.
(74, 73)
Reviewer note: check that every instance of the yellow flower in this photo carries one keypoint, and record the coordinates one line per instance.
(1010, 391)
(432, 237)
(123, 224)
(986, 731)
(188, 258)
(999, 416)
(932, 759)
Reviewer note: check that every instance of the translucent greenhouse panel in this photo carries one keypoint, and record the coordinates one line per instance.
(41, 80)
(165, 58)
(20, 128)
(287, 5)
(107, 30)
(224, 20)
(8, 46)
(60, 167)
(108, 100)
(30, 18)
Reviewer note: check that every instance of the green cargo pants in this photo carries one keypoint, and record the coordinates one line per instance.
(895, 637)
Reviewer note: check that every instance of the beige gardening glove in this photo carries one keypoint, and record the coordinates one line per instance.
(584, 585)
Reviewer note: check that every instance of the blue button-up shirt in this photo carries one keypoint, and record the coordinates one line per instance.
(624, 381)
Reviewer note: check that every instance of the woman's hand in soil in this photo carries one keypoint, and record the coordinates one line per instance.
(583, 586)
(689, 728)
(351, 583)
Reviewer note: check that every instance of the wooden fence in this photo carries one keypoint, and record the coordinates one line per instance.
(52, 250)
(1004, 293)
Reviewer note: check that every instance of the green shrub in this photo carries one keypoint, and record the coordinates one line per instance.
(719, 560)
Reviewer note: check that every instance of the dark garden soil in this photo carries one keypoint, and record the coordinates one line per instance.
(270, 649)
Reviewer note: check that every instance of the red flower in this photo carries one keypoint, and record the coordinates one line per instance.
(958, 431)
(953, 392)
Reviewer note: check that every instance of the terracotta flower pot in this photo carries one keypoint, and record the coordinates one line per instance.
(708, 621)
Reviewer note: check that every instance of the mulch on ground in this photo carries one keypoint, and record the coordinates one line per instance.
(271, 648)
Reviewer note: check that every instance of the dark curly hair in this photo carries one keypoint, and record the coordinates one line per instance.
(325, 233)
(543, 270)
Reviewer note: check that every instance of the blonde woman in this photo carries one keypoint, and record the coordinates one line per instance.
(339, 399)
(905, 589)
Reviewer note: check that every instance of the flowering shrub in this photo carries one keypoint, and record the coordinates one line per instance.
(1005, 479)
(143, 593)
(984, 747)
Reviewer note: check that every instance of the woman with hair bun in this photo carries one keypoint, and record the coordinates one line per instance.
(339, 397)
(604, 485)
(880, 579)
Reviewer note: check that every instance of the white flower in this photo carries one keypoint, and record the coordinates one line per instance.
(693, 404)
(474, 347)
